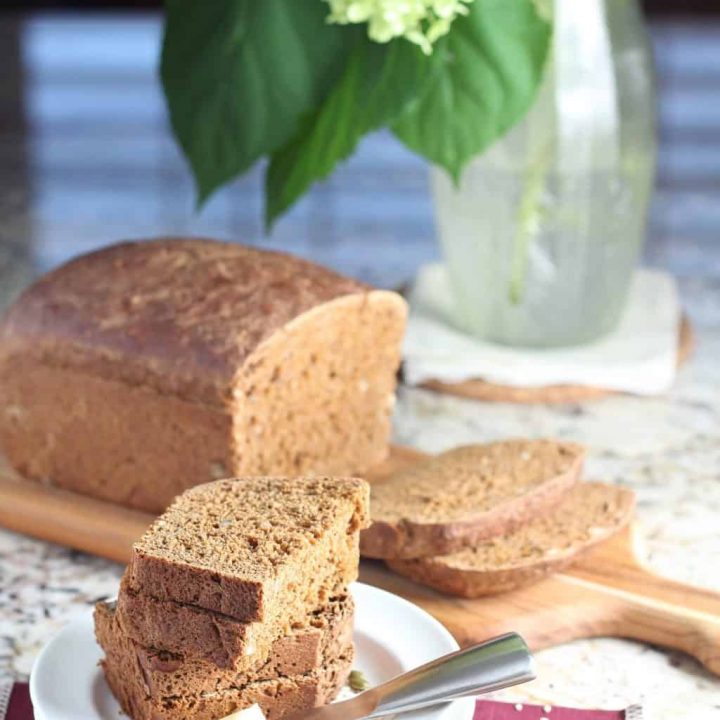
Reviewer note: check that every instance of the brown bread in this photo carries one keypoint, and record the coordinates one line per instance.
(278, 697)
(204, 635)
(255, 549)
(589, 513)
(322, 636)
(142, 369)
(467, 495)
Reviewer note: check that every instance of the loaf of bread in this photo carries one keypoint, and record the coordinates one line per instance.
(467, 495)
(137, 371)
(278, 697)
(589, 513)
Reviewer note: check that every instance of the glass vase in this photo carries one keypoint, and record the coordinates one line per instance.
(543, 234)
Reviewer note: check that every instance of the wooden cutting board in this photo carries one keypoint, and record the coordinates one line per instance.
(608, 593)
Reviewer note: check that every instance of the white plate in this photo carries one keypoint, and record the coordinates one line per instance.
(391, 637)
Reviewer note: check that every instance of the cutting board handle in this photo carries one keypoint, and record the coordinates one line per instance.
(657, 617)
(647, 606)
(619, 563)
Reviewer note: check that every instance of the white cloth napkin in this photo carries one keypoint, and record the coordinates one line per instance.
(639, 357)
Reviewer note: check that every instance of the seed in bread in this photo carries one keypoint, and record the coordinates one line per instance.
(142, 369)
(467, 495)
(253, 548)
(589, 513)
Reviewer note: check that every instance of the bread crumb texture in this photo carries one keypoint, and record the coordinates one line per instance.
(193, 632)
(168, 312)
(590, 512)
(251, 527)
(320, 637)
(278, 697)
(472, 479)
(244, 546)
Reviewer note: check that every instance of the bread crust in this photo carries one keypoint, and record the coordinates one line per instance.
(179, 315)
(405, 538)
(453, 576)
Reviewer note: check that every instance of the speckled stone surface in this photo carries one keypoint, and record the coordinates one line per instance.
(667, 449)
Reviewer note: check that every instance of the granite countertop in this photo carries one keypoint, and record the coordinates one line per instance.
(667, 449)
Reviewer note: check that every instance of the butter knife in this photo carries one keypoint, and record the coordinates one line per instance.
(492, 665)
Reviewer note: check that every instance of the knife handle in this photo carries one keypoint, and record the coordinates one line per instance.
(491, 665)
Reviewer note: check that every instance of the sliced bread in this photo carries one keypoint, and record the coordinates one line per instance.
(205, 635)
(255, 549)
(284, 697)
(322, 637)
(589, 513)
(467, 495)
(278, 698)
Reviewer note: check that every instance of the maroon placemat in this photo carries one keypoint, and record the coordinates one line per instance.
(21, 709)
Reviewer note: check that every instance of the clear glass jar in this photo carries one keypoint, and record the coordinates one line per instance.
(543, 234)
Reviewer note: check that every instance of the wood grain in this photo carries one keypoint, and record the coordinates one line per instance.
(609, 592)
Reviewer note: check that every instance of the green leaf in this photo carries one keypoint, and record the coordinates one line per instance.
(240, 74)
(488, 70)
(376, 86)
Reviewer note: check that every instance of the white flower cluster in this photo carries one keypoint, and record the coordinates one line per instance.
(420, 21)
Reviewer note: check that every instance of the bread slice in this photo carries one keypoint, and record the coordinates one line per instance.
(142, 369)
(192, 632)
(589, 513)
(283, 697)
(467, 495)
(278, 697)
(321, 637)
(255, 549)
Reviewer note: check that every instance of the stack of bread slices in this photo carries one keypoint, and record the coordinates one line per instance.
(238, 595)
(483, 519)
